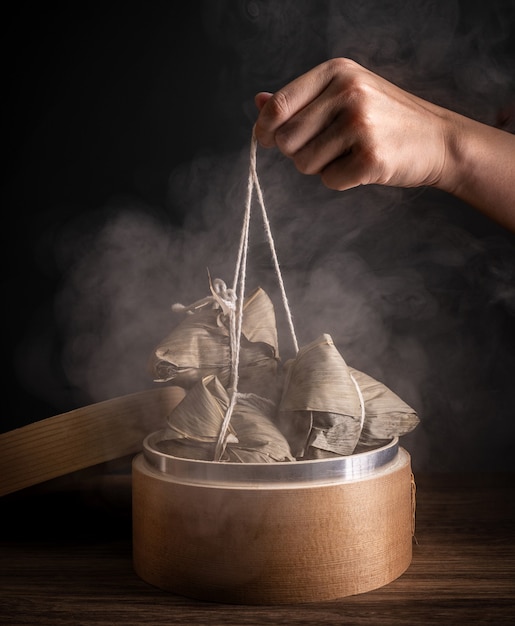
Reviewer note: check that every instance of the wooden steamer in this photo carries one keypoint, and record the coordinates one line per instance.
(272, 533)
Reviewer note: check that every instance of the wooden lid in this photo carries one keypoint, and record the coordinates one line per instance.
(81, 438)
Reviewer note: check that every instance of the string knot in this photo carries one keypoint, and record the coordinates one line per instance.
(226, 298)
(221, 297)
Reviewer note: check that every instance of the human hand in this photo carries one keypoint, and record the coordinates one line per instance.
(352, 127)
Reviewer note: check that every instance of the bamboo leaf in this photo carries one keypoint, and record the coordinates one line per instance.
(186, 449)
(318, 379)
(259, 324)
(386, 414)
(258, 438)
(320, 407)
(199, 345)
(193, 427)
(199, 416)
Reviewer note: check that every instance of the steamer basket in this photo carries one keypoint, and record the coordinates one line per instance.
(272, 533)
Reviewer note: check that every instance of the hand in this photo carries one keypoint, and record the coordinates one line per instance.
(352, 127)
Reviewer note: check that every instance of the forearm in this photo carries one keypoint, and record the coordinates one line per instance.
(480, 168)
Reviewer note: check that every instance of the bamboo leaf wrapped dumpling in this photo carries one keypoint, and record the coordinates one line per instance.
(200, 344)
(320, 409)
(195, 423)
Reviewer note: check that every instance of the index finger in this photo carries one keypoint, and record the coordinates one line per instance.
(289, 100)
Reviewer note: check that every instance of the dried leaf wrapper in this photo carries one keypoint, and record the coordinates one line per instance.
(320, 410)
(199, 346)
(194, 425)
(386, 414)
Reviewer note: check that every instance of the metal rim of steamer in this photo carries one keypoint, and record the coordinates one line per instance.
(325, 471)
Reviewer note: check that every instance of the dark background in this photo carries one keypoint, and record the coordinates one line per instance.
(127, 134)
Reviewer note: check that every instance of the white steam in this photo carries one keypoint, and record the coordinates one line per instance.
(408, 294)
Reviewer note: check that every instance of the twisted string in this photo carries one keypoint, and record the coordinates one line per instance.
(361, 402)
(271, 243)
(236, 313)
(236, 316)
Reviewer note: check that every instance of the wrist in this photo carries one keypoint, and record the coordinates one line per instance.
(453, 171)
(479, 167)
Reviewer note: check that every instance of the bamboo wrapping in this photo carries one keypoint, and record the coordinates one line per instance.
(81, 438)
(272, 545)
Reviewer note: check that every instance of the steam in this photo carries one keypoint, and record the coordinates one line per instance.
(408, 293)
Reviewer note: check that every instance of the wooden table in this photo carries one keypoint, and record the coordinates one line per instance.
(65, 558)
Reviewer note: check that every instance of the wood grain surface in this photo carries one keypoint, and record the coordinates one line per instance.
(66, 558)
(272, 546)
(82, 438)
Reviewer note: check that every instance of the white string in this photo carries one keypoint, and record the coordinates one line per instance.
(236, 318)
(244, 236)
(361, 402)
(253, 173)
(236, 314)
